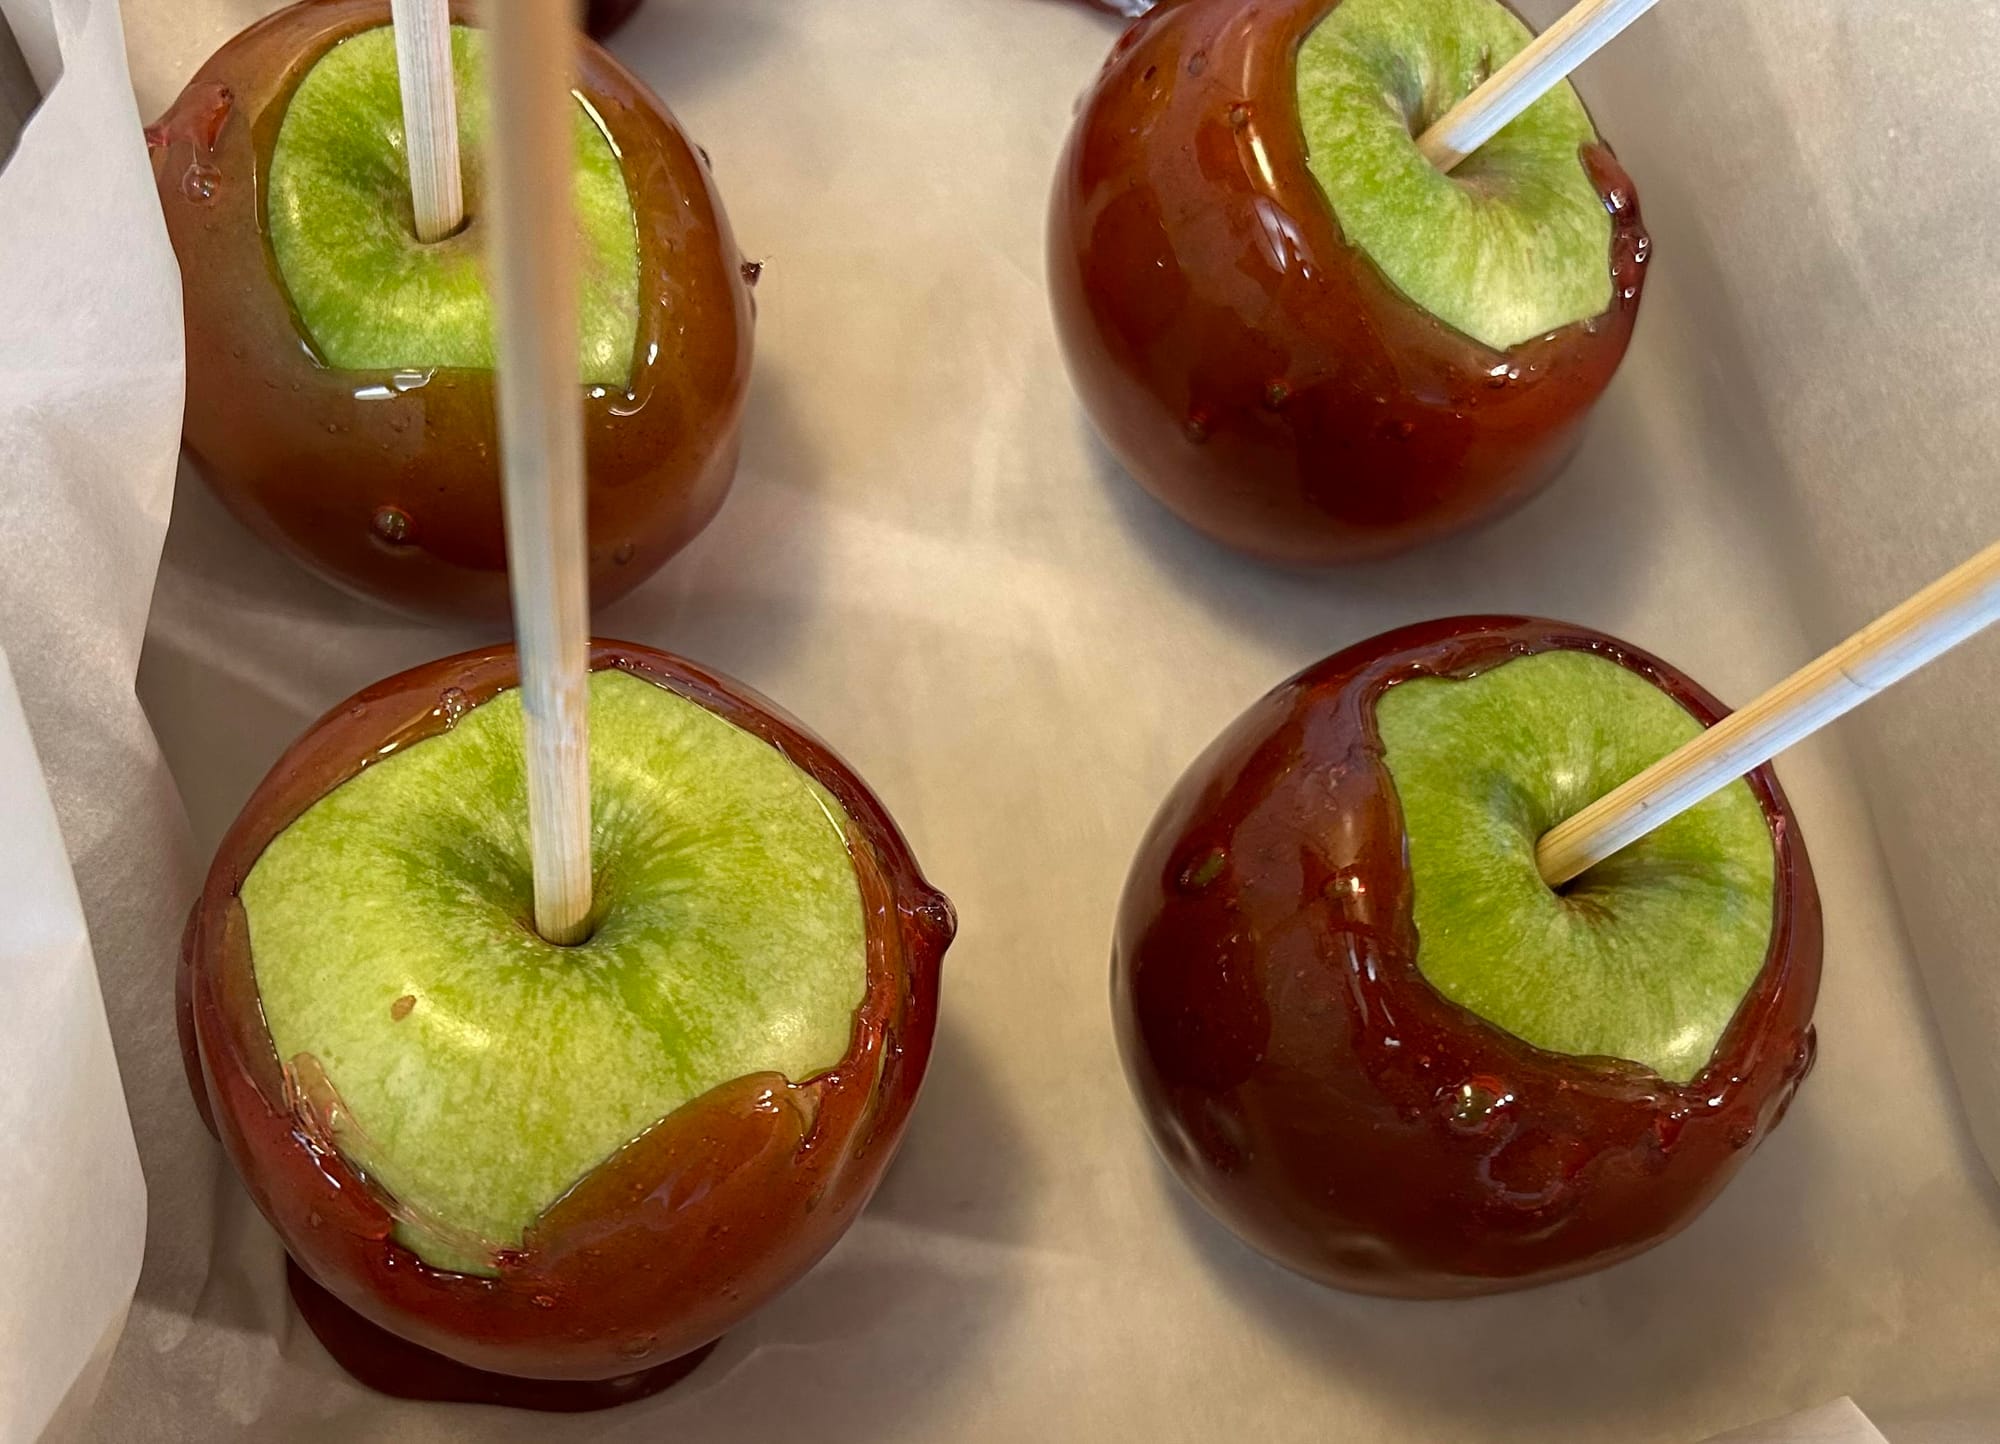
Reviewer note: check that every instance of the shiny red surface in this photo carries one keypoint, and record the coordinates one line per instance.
(665, 1245)
(1335, 1111)
(1251, 369)
(394, 493)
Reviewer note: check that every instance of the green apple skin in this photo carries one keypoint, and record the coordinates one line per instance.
(1645, 957)
(369, 293)
(1292, 331)
(1331, 978)
(480, 1071)
(403, 1073)
(1508, 246)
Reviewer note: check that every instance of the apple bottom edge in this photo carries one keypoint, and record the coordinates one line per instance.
(390, 1364)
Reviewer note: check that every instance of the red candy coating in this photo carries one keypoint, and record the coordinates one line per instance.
(392, 490)
(1331, 1107)
(1252, 370)
(672, 1240)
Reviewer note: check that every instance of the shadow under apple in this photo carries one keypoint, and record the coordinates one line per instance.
(680, 47)
(913, 1281)
(736, 597)
(245, 649)
(1579, 550)
(1592, 1358)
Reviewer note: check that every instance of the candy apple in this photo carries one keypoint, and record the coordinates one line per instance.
(518, 1173)
(1288, 325)
(340, 392)
(1370, 1038)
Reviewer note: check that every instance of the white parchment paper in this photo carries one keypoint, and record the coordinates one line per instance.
(69, 1174)
(1836, 1423)
(930, 559)
(90, 399)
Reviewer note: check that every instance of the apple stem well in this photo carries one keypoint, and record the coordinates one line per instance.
(534, 265)
(430, 115)
(1584, 29)
(1958, 605)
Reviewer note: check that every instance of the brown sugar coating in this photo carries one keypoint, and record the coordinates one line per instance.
(387, 484)
(1332, 1108)
(665, 1245)
(1250, 368)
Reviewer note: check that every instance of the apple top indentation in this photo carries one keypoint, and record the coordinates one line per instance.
(479, 1071)
(1646, 957)
(370, 295)
(1512, 245)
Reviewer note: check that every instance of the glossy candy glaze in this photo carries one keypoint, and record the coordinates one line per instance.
(1323, 1100)
(387, 483)
(665, 1245)
(1251, 369)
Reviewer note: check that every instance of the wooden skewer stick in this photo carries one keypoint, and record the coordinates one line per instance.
(1887, 650)
(1584, 29)
(430, 114)
(531, 53)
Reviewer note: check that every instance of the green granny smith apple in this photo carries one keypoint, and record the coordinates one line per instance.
(369, 293)
(1646, 956)
(1511, 244)
(481, 1071)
